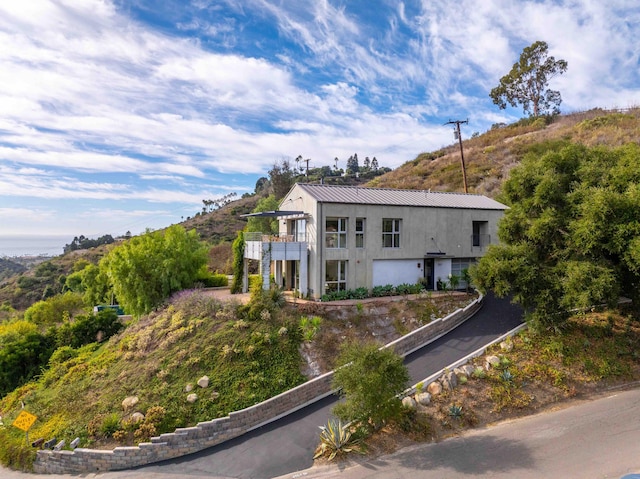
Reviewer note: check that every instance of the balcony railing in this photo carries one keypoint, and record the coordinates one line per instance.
(274, 238)
(481, 241)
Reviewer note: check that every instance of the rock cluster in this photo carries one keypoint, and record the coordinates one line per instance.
(451, 379)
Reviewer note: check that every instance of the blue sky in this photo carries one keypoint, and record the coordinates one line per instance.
(121, 115)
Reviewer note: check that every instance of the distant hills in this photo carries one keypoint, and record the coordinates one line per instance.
(9, 268)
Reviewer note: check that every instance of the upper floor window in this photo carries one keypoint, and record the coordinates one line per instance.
(480, 235)
(391, 233)
(359, 232)
(336, 232)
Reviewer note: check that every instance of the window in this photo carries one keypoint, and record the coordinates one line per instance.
(359, 232)
(480, 236)
(458, 265)
(390, 233)
(335, 276)
(336, 233)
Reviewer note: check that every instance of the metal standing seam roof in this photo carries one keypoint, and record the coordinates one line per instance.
(396, 197)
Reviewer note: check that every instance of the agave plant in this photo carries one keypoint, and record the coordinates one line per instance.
(506, 376)
(338, 439)
(455, 411)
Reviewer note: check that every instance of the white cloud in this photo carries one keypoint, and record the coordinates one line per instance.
(103, 107)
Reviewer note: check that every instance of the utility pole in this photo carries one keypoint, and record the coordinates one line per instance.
(456, 134)
(307, 162)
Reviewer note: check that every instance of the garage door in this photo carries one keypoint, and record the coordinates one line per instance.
(397, 271)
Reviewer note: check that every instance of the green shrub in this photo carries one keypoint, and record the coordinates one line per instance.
(455, 411)
(15, 453)
(55, 309)
(380, 291)
(110, 424)
(23, 352)
(309, 326)
(238, 263)
(209, 280)
(370, 382)
(89, 328)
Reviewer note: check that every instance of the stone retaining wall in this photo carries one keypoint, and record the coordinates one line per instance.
(188, 440)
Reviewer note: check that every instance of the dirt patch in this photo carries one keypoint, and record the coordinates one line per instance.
(377, 319)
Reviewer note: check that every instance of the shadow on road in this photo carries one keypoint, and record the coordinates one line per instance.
(475, 455)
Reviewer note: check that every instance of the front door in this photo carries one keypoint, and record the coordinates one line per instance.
(428, 273)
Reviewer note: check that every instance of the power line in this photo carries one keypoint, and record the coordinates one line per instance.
(459, 138)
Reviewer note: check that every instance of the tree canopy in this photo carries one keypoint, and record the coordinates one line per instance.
(264, 225)
(571, 238)
(149, 268)
(527, 82)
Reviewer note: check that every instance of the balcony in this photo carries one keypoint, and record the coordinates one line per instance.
(280, 247)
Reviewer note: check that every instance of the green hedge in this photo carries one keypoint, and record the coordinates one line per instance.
(376, 292)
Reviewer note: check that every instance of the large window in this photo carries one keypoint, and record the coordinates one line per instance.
(458, 265)
(335, 276)
(336, 233)
(391, 233)
(359, 232)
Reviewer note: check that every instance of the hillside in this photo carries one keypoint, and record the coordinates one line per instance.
(10, 268)
(489, 157)
(253, 351)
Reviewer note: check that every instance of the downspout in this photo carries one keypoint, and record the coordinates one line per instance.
(320, 249)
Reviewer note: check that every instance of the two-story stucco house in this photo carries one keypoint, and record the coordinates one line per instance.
(344, 237)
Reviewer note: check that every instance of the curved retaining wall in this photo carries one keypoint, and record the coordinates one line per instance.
(210, 433)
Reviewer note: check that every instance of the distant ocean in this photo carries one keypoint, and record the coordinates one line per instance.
(32, 245)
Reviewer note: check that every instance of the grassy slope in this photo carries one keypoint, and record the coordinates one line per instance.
(155, 358)
(490, 156)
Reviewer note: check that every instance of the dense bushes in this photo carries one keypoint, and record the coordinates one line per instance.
(55, 309)
(87, 329)
(15, 453)
(376, 292)
(24, 350)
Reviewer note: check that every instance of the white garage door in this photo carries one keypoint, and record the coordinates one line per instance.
(397, 271)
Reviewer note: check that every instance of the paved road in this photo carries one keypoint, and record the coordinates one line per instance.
(287, 445)
(593, 439)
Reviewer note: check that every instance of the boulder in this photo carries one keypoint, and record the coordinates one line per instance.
(492, 361)
(203, 382)
(447, 385)
(215, 395)
(468, 370)
(188, 388)
(409, 402)
(452, 378)
(137, 417)
(192, 398)
(423, 399)
(506, 345)
(129, 402)
(434, 388)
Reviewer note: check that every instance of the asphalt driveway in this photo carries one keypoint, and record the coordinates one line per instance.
(287, 445)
